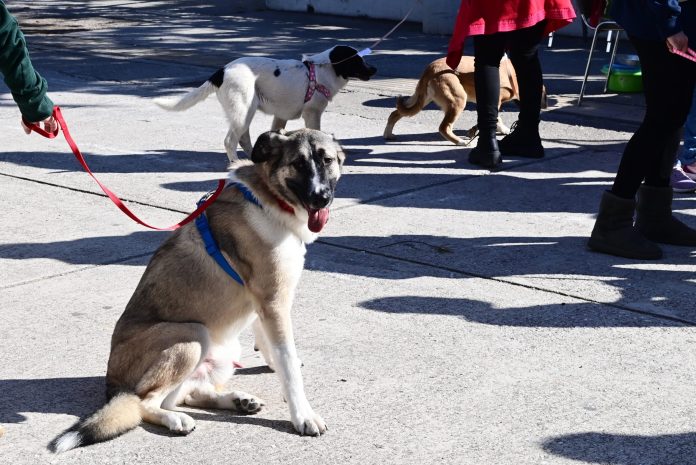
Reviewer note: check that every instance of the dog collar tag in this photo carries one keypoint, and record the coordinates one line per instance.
(364, 52)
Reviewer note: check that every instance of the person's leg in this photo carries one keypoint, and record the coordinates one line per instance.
(668, 82)
(650, 153)
(523, 48)
(687, 158)
(654, 217)
(488, 51)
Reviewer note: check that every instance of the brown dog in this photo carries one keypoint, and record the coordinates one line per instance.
(176, 341)
(451, 90)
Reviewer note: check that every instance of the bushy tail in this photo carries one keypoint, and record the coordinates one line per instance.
(120, 414)
(416, 102)
(188, 100)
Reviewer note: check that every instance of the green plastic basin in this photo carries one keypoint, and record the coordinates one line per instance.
(624, 78)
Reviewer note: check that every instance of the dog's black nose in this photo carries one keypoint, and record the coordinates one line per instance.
(320, 197)
(367, 73)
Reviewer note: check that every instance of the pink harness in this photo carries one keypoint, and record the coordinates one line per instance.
(313, 86)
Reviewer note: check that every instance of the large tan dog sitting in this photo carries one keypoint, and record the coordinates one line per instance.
(451, 91)
(177, 340)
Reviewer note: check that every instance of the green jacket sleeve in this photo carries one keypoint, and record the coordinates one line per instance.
(27, 87)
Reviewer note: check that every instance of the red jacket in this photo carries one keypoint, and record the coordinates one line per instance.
(478, 17)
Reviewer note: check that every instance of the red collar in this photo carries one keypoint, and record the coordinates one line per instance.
(282, 204)
(286, 207)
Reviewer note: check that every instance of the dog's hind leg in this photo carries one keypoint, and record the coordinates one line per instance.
(231, 142)
(451, 115)
(278, 123)
(177, 349)
(245, 142)
(205, 396)
(393, 119)
(240, 105)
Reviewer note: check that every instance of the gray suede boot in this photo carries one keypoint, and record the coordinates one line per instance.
(655, 221)
(614, 233)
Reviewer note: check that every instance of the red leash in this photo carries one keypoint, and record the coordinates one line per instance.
(114, 198)
(690, 54)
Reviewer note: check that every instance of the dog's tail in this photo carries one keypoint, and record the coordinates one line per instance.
(415, 103)
(193, 97)
(120, 414)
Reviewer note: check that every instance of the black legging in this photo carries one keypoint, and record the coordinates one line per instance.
(522, 46)
(668, 84)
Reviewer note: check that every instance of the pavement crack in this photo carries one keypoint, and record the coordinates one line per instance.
(97, 194)
(78, 270)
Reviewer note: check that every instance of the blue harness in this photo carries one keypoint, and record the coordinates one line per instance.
(211, 245)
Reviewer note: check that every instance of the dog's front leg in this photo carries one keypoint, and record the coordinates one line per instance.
(277, 327)
(312, 119)
(278, 123)
(501, 128)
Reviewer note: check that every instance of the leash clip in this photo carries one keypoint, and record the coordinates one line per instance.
(206, 197)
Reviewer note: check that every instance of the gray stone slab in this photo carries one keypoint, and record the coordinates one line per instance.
(447, 315)
(528, 225)
(406, 365)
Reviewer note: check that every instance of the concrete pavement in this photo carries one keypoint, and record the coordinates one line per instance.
(447, 315)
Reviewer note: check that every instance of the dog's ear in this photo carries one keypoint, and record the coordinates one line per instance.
(340, 153)
(268, 145)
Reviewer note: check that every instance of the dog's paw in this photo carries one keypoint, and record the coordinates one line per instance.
(179, 422)
(246, 403)
(389, 136)
(503, 130)
(309, 424)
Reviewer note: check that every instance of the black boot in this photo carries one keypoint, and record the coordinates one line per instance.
(614, 233)
(524, 141)
(487, 82)
(486, 153)
(655, 221)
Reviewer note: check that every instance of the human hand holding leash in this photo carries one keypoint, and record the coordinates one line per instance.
(50, 125)
(679, 45)
(678, 42)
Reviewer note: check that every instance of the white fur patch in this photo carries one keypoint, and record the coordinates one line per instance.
(68, 441)
(322, 58)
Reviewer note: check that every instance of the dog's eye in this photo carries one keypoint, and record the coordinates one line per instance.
(328, 160)
(299, 163)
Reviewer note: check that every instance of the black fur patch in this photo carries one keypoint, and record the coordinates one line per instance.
(348, 64)
(217, 77)
(276, 73)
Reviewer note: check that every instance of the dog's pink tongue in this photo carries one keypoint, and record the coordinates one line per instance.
(317, 219)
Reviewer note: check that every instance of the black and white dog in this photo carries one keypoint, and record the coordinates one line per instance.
(286, 89)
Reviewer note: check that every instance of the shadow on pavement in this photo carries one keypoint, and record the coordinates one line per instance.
(153, 161)
(624, 449)
(71, 396)
(197, 36)
(579, 315)
(529, 261)
(91, 250)
(226, 416)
